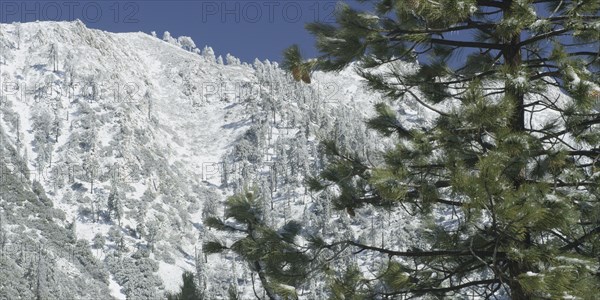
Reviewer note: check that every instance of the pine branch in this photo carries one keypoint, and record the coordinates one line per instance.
(377, 199)
(581, 239)
(546, 74)
(466, 44)
(543, 36)
(469, 26)
(449, 253)
(584, 53)
(564, 18)
(589, 153)
(562, 184)
(496, 4)
(446, 289)
(449, 202)
(559, 133)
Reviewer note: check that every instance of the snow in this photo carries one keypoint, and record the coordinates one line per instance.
(187, 134)
(333, 40)
(115, 289)
(539, 23)
(369, 17)
(190, 134)
(171, 275)
(572, 260)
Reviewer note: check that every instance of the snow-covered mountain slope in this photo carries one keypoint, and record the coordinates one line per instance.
(115, 146)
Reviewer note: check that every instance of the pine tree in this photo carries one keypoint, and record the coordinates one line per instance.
(114, 203)
(272, 254)
(524, 191)
(201, 279)
(3, 236)
(188, 289)
(91, 167)
(53, 57)
(98, 241)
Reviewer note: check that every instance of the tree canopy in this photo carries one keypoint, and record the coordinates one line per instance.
(512, 155)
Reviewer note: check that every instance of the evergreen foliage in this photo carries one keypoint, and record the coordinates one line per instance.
(188, 289)
(515, 170)
(272, 254)
(293, 62)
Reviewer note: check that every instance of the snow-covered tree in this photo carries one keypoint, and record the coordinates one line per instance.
(5, 51)
(188, 288)
(91, 166)
(209, 54)
(153, 233)
(232, 60)
(53, 57)
(169, 39)
(42, 121)
(186, 43)
(98, 241)
(18, 34)
(115, 203)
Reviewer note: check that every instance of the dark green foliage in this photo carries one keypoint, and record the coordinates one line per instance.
(246, 148)
(386, 121)
(137, 276)
(270, 253)
(39, 191)
(213, 247)
(292, 62)
(349, 285)
(232, 293)
(522, 192)
(188, 289)
(115, 203)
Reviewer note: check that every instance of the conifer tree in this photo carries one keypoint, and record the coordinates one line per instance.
(272, 254)
(188, 289)
(53, 57)
(513, 150)
(114, 203)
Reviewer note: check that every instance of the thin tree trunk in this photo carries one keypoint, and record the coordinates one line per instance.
(263, 280)
(512, 58)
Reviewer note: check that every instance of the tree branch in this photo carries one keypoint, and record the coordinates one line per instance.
(580, 240)
(466, 44)
(446, 289)
(451, 253)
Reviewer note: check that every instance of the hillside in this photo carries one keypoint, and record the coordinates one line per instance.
(115, 146)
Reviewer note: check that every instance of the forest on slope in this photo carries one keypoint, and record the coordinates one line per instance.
(398, 164)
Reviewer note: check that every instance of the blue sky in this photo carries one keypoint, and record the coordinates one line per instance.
(245, 28)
